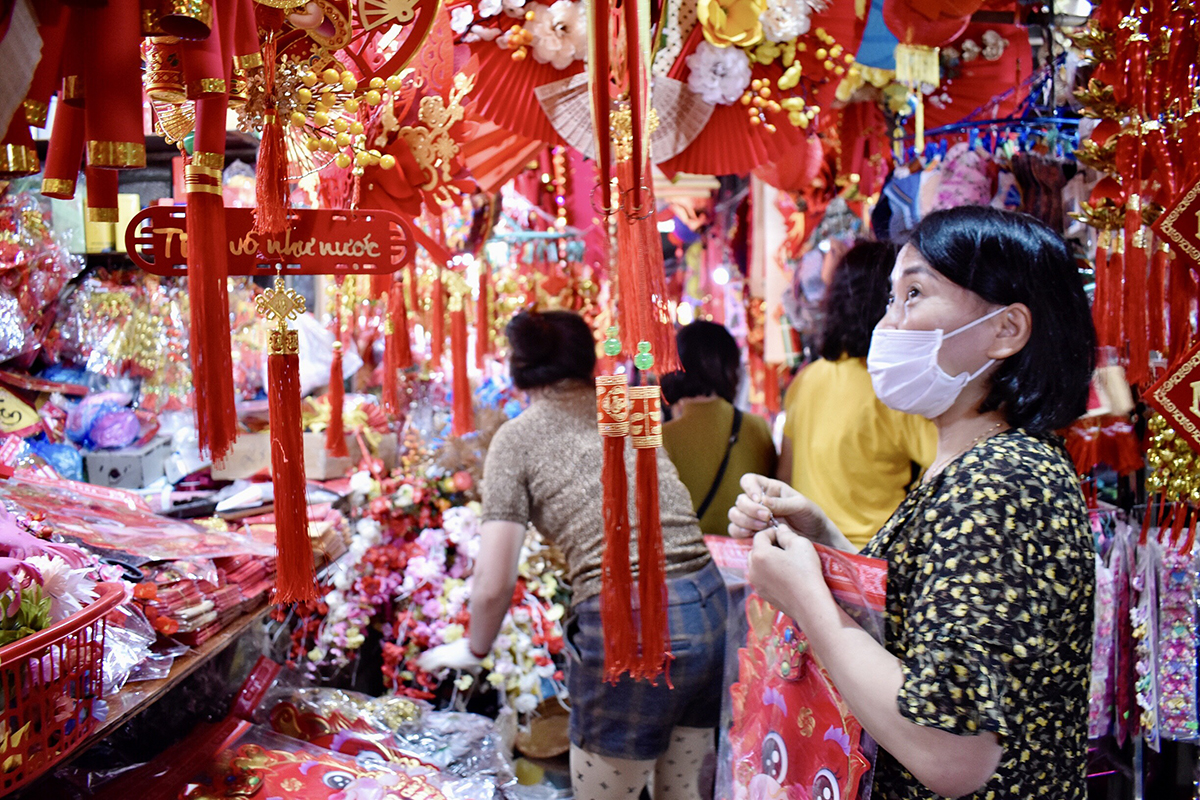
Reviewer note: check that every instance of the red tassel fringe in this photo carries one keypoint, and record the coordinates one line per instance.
(483, 321)
(1135, 301)
(645, 315)
(1116, 288)
(463, 421)
(271, 175)
(652, 572)
(616, 594)
(398, 311)
(296, 580)
(211, 350)
(437, 321)
(1100, 301)
(335, 434)
(1157, 300)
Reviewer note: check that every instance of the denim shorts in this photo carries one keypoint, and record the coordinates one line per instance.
(633, 719)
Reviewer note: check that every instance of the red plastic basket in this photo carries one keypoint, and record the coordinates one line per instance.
(49, 683)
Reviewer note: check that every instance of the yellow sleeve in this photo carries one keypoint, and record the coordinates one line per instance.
(914, 436)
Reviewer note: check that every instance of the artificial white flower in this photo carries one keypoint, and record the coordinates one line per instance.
(559, 33)
(489, 8)
(369, 529)
(525, 703)
(461, 19)
(361, 482)
(69, 589)
(718, 74)
(784, 20)
(481, 33)
(514, 8)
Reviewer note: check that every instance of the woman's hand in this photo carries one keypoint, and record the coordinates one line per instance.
(763, 498)
(456, 655)
(784, 568)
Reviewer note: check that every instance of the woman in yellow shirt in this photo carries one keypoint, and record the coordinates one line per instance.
(712, 443)
(842, 448)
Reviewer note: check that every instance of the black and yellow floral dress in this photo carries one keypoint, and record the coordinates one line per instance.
(989, 610)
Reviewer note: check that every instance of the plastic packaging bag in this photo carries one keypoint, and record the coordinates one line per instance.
(789, 733)
(464, 747)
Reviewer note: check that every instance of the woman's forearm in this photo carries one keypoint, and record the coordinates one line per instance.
(487, 615)
(493, 581)
(869, 679)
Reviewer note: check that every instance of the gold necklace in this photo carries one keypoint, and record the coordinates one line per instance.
(936, 469)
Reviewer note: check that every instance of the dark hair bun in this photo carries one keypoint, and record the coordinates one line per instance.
(548, 347)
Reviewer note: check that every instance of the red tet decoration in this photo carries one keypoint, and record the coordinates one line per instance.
(1179, 225)
(318, 242)
(1177, 397)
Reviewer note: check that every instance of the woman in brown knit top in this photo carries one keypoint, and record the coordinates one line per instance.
(543, 467)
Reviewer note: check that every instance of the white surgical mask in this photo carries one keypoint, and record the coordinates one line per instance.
(905, 371)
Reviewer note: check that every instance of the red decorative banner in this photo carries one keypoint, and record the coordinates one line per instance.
(1179, 225)
(319, 242)
(1177, 397)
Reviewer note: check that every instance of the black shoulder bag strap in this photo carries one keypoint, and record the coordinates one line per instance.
(712, 491)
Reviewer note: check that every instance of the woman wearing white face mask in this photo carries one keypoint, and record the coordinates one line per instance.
(980, 689)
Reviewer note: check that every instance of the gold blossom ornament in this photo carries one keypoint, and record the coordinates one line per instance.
(731, 22)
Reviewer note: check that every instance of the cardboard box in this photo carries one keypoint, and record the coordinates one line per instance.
(251, 453)
(130, 467)
(320, 466)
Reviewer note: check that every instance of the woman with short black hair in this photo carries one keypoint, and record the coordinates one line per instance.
(981, 686)
(712, 442)
(543, 467)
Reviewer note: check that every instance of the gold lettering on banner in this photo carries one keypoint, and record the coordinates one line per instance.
(171, 234)
(1195, 409)
(175, 246)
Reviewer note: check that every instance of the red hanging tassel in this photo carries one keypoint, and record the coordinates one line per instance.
(1135, 293)
(391, 387)
(1157, 298)
(335, 433)
(1100, 300)
(645, 428)
(463, 421)
(437, 319)
(397, 309)
(295, 580)
(1116, 285)
(212, 359)
(771, 388)
(271, 178)
(483, 316)
(643, 281)
(206, 71)
(616, 592)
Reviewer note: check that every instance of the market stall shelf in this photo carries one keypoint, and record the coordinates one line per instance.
(136, 698)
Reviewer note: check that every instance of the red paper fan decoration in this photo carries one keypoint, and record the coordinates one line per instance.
(796, 172)
(972, 84)
(504, 90)
(494, 155)
(928, 23)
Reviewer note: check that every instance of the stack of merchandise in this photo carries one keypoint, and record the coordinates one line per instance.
(252, 575)
(328, 531)
(194, 600)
